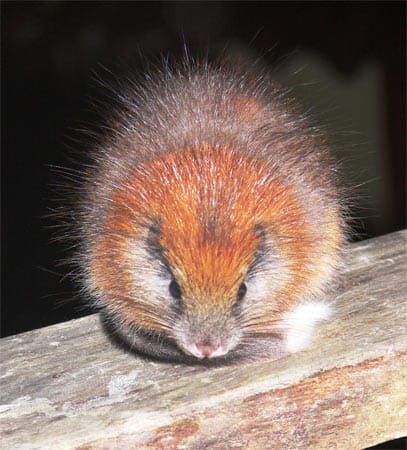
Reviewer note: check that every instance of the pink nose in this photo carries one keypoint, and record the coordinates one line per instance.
(208, 350)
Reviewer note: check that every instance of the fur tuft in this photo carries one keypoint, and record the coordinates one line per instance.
(300, 324)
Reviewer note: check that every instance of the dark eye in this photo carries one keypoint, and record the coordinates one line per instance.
(175, 290)
(241, 292)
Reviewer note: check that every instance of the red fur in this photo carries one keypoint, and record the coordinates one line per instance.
(210, 159)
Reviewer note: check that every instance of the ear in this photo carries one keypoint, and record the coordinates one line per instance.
(301, 323)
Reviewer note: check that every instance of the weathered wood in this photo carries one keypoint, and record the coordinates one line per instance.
(66, 386)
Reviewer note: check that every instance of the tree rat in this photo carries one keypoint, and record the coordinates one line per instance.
(210, 220)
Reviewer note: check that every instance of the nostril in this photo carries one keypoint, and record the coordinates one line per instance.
(207, 350)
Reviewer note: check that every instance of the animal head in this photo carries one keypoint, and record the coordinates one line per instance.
(204, 246)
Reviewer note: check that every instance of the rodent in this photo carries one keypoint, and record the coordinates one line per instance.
(211, 221)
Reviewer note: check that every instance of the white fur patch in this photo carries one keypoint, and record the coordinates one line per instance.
(300, 324)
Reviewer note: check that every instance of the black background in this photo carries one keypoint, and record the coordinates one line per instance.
(50, 54)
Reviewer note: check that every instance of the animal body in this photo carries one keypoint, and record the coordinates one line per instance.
(210, 221)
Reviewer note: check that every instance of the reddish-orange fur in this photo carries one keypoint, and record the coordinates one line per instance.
(191, 248)
(215, 184)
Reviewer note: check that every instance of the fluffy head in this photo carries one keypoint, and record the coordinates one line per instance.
(211, 221)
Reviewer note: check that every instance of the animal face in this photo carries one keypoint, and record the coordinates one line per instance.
(207, 259)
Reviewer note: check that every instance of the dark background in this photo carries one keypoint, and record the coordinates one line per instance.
(51, 52)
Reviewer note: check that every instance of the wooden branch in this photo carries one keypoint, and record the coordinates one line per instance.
(66, 386)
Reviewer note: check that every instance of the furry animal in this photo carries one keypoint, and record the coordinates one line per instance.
(210, 221)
